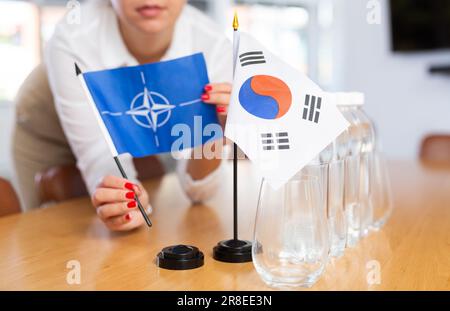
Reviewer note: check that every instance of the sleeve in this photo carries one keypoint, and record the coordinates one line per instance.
(199, 190)
(94, 159)
(219, 62)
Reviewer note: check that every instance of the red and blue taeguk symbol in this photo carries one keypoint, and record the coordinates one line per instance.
(265, 97)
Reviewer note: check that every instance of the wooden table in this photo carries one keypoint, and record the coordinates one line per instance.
(413, 249)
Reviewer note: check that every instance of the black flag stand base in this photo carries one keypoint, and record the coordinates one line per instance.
(234, 250)
(180, 257)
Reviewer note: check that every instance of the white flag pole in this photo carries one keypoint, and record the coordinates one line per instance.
(98, 117)
(108, 139)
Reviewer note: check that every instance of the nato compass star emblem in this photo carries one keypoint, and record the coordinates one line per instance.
(150, 109)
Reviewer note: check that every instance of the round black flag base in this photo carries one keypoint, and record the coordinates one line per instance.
(180, 257)
(233, 251)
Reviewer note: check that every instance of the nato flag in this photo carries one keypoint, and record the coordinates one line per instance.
(140, 105)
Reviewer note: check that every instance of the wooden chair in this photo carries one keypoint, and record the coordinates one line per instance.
(60, 183)
(65, 182)
(9, 203)
(435, 149)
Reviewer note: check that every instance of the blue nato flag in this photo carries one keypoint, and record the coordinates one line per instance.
(139, 105)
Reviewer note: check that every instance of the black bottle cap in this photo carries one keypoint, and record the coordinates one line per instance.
(180, 257)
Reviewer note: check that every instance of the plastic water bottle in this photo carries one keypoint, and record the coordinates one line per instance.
(336, 212)
(367, 157)
(348, 104)
(329, 167)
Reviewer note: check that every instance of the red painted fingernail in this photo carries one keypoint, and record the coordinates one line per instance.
(208, 87)
(130, 195)
(128, 217)
(205, 97)
(131, 204)
(129, 186)
(220, 109)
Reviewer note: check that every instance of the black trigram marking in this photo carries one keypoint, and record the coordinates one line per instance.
(311, 111)
(252, 58)
(278, 141)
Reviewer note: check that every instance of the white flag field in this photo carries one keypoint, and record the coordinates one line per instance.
(278, 117)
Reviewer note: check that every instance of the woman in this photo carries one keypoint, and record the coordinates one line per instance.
(124, 33)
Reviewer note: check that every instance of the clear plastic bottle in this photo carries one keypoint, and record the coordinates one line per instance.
(319, 167)
(381, 193)
(367, 158)
(347, 104)
(336, 215)
(329, 167)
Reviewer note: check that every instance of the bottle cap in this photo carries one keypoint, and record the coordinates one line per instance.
(348, 98)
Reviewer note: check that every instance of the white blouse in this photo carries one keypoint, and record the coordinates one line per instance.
(96, 44)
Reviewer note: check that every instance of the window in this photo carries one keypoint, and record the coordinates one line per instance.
(282, 29)
(19, 44)
(24, 29)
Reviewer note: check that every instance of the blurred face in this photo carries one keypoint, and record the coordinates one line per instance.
(148, 16)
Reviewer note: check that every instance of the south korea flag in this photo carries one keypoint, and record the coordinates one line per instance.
(278, 117)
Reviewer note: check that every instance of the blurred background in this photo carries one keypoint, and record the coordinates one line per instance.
(395, 51)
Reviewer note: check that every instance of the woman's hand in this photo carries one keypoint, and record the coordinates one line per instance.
(218, 94)
(115, 204)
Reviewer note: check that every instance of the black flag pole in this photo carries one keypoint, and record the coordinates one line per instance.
(235, 190)
(235, 147)
(122, 172)
(141, 208)
(234, 250)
